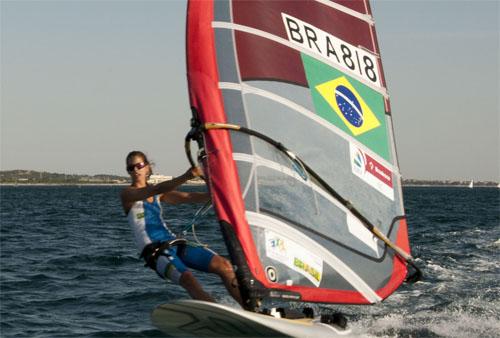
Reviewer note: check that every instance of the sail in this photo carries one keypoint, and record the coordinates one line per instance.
(306, 74)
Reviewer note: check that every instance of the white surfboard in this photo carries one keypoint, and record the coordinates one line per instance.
(191, 318)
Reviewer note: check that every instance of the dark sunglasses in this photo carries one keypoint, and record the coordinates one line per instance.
(137, 166)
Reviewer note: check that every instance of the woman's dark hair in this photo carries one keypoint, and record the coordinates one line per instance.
(137, 153)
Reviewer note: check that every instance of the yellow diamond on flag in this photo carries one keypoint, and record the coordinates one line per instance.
(349, 105)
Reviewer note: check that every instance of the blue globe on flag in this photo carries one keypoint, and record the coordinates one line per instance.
(349, 105)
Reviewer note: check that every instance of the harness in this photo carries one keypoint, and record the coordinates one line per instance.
(152, 251)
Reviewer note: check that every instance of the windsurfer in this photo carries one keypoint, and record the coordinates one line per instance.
(141, 203)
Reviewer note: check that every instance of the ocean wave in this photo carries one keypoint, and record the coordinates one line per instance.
(453, 324)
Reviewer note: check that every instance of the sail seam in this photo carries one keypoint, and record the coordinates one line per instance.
(225, 25)
(244, 88)
(365, 17)
(249, 181)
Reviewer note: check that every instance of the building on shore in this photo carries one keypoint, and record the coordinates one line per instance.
(196, 181)
(155, 179)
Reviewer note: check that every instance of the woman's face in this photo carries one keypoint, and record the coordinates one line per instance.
(138, 168)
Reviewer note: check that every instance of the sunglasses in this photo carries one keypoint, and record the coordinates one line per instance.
(137, 166)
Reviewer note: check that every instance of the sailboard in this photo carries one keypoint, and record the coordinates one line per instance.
(471, 184)
(203, 319)
(292, 115)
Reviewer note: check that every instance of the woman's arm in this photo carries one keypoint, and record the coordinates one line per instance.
(130, 194)
(177, 197)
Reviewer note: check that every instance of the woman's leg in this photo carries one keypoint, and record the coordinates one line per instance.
(193, 287)
(206, 260)
(222, 267)
(169, 266)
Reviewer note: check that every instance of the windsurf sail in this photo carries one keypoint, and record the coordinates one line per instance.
(299, 152)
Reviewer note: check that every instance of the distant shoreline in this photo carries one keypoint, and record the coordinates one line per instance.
(78, 184)
(37, 178)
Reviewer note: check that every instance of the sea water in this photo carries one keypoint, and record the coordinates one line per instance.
(69, 267)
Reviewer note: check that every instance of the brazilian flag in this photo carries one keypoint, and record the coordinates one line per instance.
(349, 105)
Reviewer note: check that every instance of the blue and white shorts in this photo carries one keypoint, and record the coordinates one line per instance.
(171, 266)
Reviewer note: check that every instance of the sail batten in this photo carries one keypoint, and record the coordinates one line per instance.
(299, 217)
(347, 10)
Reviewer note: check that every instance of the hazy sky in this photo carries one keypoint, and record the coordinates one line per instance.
(84, 82)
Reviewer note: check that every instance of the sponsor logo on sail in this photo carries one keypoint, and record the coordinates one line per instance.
(276, 247)
(277, 244)
(371, 171)
(308, 269)
(376, 169)
(359, 162)
(348, 105)
(294, 256)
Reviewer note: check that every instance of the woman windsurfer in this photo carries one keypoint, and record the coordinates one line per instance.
(141, 203)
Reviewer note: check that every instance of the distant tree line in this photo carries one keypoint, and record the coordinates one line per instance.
(42, 177)
(448, 183)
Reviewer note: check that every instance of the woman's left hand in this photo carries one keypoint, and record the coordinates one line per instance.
(196, 172)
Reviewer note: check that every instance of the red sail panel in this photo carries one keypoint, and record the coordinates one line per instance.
(260, 58)
(399, 274)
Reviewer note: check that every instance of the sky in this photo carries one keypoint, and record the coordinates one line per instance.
(85, 82)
